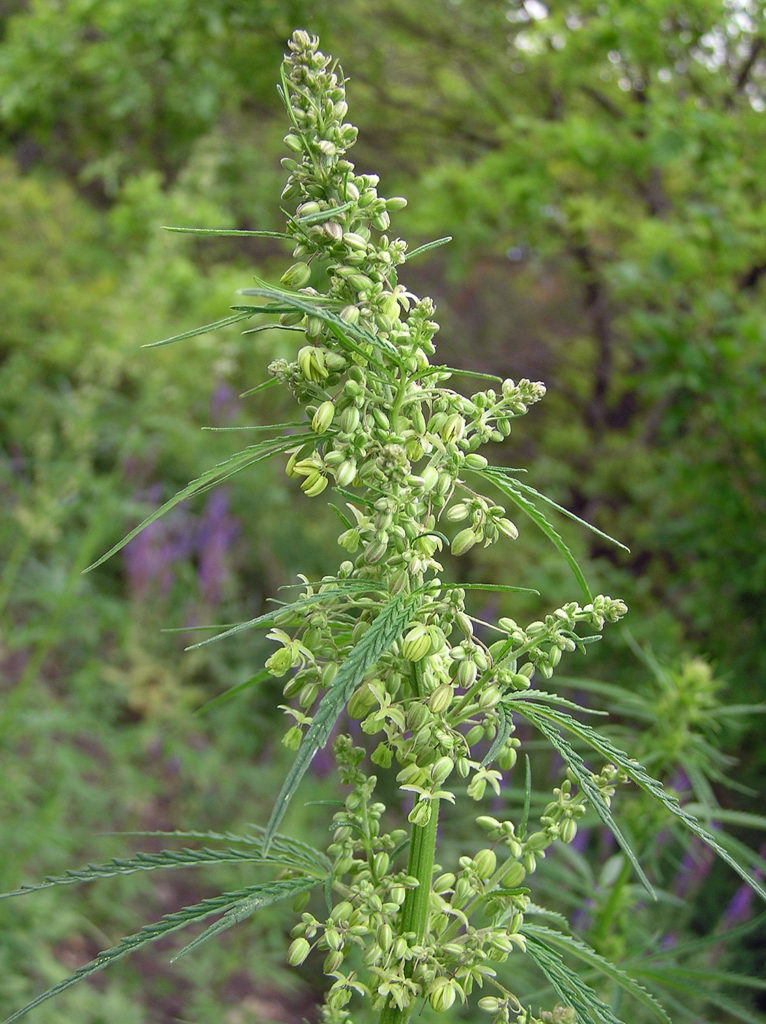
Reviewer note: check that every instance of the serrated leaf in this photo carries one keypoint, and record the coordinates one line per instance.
(269, 618)
(570, 988)
(387, 627)
(203, 329)
(270, 892)
(537, 715)
(221, 471)
(504, 729)
(225, 232)
(526, 489)
(167, 924)
(349, 335)
(233, 691)
(283, 847)
(142, 862)
(640, 776)
(427, 246)
(506, 487)
(581, 951)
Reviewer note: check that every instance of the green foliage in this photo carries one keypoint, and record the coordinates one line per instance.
(396, 646)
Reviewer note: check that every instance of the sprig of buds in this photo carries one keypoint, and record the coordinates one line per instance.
(401, 448)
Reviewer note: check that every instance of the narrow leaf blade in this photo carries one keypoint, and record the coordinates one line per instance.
(387, 627)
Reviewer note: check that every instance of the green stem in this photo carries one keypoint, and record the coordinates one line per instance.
(417, 901)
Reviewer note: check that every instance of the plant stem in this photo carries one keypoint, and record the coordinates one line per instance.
(416, 903)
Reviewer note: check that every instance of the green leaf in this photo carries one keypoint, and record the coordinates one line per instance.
(639, 775)
(233, 691)
(508, 488)
(260, 387)
(225, 232)
(387, 627)
(427, 246)
(252, 896)
(141, 862)
(571, 989)
(285, 848)
(270, 892)
(270, 618)
(564, 511)
(349, 335)
(505, 726)
(538, 715)
(222, 471)
(581, 951)
(500, 588)
(204, 329)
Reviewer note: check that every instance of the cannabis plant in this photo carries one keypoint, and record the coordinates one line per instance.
(387, 642)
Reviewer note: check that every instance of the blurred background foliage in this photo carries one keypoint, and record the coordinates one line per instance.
(601, 167)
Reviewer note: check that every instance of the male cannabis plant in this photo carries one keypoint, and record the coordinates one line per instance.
(386, 641)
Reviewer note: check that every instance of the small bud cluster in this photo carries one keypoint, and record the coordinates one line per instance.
(401, 450)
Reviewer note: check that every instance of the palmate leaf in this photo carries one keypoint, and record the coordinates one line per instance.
(507, 487)
(583, 952)
(210, 478)
(387, 627)
(246, 901)
(543, 717)
(569, 986)
(537, 715)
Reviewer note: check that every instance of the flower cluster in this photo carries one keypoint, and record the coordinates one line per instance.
(401, 450)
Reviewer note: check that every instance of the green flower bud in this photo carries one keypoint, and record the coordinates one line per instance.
(474, 461)
(349, 419)
(420, 813)
(342, 911)
(385, 937)
(441, 994)
(292, 738)
(417, 643)
(296, 276)
(314, 485)
(466, 673)
(490, 1004)
(323, 417)
(349, 315)
(345, 474)
(454, 428)
(485, 863)
(382, 755)
(514, 876)
(298, 951)
(332, 962)
(395, 203)
(354, 241)
(430, 477)
(568, 830)
(279, 662)
(444, 882)
(489, 697)
(507, 527)
(381, 863)
(293, 142)
(361, 702)
(440, 699)
(442, 769)
(463, 541)
(333, 230)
